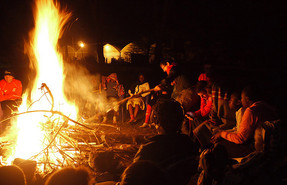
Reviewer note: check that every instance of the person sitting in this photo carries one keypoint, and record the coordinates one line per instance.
(197, 117)
(12, 175)
(140, 173)
(10, 96)
(137, 103)
(70, 176)
(170, 150)
(235, 104)
(205, 76)
(114, 91)
(143, 173)
(240, 143)
(206, 130)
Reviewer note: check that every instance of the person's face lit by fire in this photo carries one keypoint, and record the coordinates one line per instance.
(234, 102)
(245, 100)
(203, 94)
(141, 78)
(164, 67)
(8, 78)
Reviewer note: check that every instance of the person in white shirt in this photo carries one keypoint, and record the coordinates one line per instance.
(134, 104)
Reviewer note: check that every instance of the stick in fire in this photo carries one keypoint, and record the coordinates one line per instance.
(119, 103)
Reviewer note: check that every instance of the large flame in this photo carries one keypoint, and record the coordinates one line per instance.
(33, 134)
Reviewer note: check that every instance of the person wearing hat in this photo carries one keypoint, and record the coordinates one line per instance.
(10, 94)
(114, 91)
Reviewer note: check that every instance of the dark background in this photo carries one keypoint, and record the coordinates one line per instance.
(240, 38)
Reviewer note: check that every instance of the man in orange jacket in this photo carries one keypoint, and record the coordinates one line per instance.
(10, 94)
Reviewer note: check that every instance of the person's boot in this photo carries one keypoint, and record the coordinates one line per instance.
(144, 125)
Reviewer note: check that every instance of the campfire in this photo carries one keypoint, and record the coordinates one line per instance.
(42, 129)
(50, 130)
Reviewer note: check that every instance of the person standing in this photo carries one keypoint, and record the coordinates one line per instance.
(163, 90)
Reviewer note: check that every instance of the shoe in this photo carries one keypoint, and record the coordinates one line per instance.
(132, 121)
(155, 125)
(144, 125)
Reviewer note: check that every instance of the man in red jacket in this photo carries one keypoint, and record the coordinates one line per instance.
(10, 94)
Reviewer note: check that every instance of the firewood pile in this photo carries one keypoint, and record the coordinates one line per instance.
(105, 148)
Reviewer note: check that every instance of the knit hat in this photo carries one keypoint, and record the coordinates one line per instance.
(8, 72)
(112, 76)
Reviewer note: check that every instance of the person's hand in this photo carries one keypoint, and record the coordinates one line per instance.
(215, 137)
(157, 88)
(215, 130)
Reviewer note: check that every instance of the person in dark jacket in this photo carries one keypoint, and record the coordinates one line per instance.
(177, 84)
(171, 150)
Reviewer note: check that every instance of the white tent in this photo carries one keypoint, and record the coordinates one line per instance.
(111, 52)
(129, 49)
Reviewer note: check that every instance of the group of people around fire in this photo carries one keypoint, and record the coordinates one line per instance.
(208, 133)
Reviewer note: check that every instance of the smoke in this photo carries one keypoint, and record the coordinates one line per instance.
(82, 88)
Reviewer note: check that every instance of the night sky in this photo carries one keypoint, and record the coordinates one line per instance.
(237, 25)
(242, 33)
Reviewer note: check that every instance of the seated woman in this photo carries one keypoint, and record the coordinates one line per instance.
(205, 130)
(244, 140)
(137, 103)
(204, 91)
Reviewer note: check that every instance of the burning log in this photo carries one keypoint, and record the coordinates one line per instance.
(58, 133)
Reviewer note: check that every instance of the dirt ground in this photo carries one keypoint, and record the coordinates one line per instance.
(114, 147)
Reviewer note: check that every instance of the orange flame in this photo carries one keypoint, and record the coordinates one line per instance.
(33, 133)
